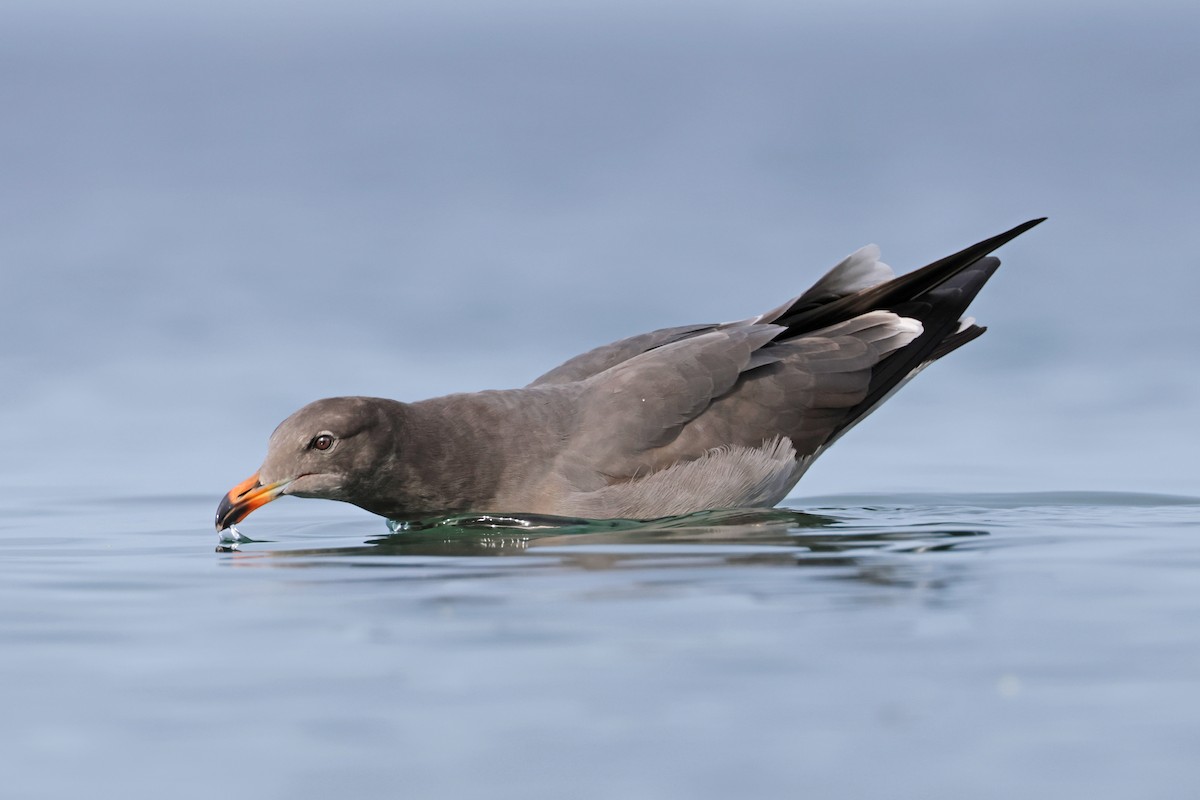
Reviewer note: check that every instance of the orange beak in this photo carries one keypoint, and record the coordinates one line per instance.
(244, 498)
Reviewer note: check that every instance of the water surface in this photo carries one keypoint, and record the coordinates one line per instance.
(984, 645)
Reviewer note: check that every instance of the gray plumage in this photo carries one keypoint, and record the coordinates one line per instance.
(669, 422)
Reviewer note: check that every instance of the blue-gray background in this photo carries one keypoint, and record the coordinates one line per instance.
(212, 213)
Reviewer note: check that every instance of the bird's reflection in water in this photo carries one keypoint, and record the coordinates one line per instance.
(852, 548)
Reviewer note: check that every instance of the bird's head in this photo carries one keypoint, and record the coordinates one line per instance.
(327, 449)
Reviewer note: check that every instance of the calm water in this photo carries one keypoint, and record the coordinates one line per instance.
(214, 212)
(983, 645)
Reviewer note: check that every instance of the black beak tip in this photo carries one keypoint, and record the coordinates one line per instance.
(226, 514)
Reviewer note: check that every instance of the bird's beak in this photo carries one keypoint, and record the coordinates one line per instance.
(244, 498)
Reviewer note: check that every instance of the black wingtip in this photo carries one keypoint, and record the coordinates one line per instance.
(904, 288)
(1008, 235)
(968, 255)
(1025, 226)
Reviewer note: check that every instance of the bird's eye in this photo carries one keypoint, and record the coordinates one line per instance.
(322, 441)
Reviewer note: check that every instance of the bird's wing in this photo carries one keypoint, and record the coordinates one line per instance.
(860, 270)
(734, 386)
(601, 358)
(807, 371)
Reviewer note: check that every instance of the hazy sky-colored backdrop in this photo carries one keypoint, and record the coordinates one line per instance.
(212, 213)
